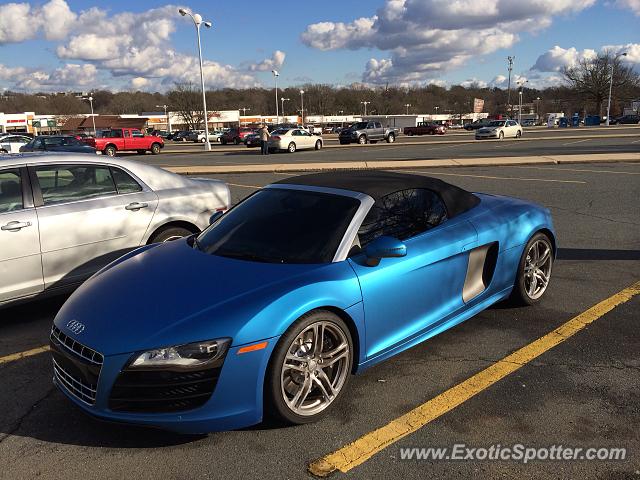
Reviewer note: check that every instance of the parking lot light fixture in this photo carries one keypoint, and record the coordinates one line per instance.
(436, 109)
(275, 77)
(282, 109)
(302, 106)
(198, 22)
(407, 105)
(93, 117)
(165, 116)
(365, 103)
(623, 54)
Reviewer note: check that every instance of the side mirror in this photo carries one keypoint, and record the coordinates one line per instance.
(384, 247)
(213, 218)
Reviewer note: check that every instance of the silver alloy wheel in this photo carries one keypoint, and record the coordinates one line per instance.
(537, 268)
(315, 368)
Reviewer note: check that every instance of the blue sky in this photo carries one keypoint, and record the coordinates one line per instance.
(59, 45)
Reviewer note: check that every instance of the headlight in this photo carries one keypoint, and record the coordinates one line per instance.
(189, 356)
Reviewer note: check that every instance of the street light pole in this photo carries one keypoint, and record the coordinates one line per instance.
(93, 118)
(537, 109)
(365, 103)
(197, 21)
(275, 76)
(521, 85)
(623, 54)
(165, 116)
(407, 105)
(302, 106)
(282, 109)
(342, 120)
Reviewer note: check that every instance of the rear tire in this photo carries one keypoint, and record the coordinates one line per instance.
(291, 148)
(410, 133)
(536, 265)
(169, 234)
(318, 145)
(280, 382)
(2, 150)
(110, 151)
(501, 136)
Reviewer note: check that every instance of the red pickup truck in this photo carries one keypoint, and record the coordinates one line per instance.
(425, 128)
(125, 139)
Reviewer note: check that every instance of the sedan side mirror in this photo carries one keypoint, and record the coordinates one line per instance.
(384, 247)
(213, 218)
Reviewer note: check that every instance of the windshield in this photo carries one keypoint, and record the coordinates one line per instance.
(281, 226)
(280, 131)
(497, 123)
(358, 126)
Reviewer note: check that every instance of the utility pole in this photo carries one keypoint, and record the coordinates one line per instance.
(510, 59)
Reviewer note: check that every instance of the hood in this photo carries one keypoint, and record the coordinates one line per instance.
(171, 294)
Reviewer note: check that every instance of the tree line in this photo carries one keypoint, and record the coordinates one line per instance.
(585, 91)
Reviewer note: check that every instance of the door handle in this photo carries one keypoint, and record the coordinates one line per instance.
(15, 226)
(136, 206)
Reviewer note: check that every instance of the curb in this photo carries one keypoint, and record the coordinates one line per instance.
(400, 164)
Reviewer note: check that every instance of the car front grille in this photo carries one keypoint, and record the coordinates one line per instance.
(76, 367)
(163, 391)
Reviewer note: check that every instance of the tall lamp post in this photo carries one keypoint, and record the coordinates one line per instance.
(93, 118)
(198, 22)
(623, 54)
(407, 105)
(365, 103)
(537, 109)
(275, 77)
(302, 106)
(165, 116)
(436, 109)
(282, 100)
(510, 59)
(521, 85)
(341, 112)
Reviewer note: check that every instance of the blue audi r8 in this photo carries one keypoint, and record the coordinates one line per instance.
(272, 308)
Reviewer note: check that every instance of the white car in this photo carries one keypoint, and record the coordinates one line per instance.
(65, 216)
(500, 129)
(292, 139)
(214, 136)
(12, 143)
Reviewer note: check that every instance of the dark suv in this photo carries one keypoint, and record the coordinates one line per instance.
(626, 120)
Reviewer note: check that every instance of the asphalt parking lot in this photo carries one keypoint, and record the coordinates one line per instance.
(455, 144)
(582, 393)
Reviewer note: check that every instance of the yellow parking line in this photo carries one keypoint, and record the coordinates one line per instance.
(28, 353)
(498, 178)
(371, 443)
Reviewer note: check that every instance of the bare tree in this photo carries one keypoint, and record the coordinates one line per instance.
(590, 78)
(185, 99)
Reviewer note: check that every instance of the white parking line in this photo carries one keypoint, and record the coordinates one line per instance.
(244, 186)
(577, 141)
(494, 177)
(578, 170)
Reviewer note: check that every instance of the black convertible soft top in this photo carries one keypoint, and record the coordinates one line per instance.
(379, 183)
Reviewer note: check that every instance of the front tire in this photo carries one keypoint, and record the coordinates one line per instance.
(391, 138)
(534, 270)
(291, 148)
(169, 234)
(519, 134)
(318, 145)
(501, 136)
(362, 139)
(110, 151)
(309, 368)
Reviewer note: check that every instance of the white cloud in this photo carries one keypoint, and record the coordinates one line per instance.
(557, 58)
(66, 77)
(127, 44)
(474, 82)
(425, 37)
(633, 5)
(631, 49)
(275, 62)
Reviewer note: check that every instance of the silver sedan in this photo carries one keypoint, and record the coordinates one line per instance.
(64, 216)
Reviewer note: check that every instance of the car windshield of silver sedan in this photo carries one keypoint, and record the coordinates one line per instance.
(281, 226)
(497, 123)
